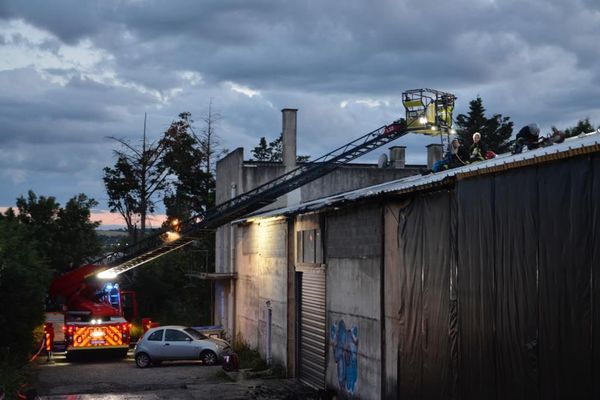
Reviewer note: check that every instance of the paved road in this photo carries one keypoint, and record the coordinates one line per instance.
(100, 378)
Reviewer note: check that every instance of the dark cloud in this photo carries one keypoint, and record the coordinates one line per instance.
(95, 69)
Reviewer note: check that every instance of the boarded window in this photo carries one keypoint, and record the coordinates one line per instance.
(309, 247)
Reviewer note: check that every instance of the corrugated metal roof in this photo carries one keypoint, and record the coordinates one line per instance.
(571, 147)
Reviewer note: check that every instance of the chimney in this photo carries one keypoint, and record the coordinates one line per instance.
(397, 156)
(434, 153)
(289, 137)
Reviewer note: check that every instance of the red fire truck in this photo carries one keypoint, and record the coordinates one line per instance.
(97, 314)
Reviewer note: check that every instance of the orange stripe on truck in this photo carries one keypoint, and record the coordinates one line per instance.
(97, 336)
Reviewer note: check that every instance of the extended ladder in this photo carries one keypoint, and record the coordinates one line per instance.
(165, 242)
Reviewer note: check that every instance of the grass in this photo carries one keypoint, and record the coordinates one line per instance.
(14, 378)
(249, 358)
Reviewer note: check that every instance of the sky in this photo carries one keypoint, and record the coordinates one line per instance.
(74, 73)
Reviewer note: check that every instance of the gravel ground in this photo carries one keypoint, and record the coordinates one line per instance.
(98, 378)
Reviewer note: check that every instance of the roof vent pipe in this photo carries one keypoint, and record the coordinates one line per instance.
(434, 153)
(397, 156)
(289, 116)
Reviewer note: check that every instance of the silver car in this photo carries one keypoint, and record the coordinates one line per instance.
(166, 343)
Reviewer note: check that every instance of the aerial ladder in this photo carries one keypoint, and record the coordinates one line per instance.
(427, 111)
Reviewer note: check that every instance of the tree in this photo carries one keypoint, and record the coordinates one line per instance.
(65, 237)
(583, 126)
(262, 152)
(210, 143)
(495, 131)
(77, 232)
(135, 180)
(23, 281)
(190, 185)
(273, 151)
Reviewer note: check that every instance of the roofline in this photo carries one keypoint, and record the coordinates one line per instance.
(442, 179)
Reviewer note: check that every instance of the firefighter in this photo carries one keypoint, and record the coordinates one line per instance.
(478, 149)
(457, 156)
(527, 136)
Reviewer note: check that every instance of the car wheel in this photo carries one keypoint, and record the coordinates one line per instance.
(142, 360)
(208, 357)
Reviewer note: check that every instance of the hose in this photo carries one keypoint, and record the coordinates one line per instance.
(39, 351)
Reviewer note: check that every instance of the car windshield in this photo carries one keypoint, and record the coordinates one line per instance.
(195, 334)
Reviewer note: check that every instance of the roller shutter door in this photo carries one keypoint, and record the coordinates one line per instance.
(312, 328)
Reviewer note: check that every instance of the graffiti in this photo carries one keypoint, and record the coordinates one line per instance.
(344, 343)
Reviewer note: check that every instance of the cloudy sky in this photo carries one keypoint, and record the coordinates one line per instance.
(74, 72)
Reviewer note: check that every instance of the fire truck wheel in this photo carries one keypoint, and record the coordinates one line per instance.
(142, 360)
(208, 357)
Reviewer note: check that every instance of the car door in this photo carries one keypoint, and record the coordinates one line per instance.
(154, 344)
(179, 345)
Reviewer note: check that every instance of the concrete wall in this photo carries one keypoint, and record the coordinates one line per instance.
(261, 262)
(353, 296)
(351, 177)
(229, 170)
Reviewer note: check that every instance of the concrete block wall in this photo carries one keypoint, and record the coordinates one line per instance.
(352, 177)
(261, 262)
(353, 296)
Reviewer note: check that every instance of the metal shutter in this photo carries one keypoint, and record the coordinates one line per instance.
(312, 328)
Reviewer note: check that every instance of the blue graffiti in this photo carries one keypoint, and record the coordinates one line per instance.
(345, 353)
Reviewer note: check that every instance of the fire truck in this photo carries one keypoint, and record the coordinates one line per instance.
(97, 313)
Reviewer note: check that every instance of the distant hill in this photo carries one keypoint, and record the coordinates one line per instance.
(111, 232)
(112, 238)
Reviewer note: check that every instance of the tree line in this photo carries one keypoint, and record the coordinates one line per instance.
(38, 240)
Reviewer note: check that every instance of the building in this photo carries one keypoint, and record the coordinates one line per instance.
(478, 282)
(236, 176)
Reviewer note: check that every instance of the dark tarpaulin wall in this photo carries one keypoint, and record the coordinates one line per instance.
(475, 239)
(515, 249)
(595, 262)
(391, 300)
(424, 364)
(410, 363)
(564, 280)
(435, 283)
(519, 252)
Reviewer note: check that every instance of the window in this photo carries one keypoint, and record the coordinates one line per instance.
(156, 336)
(173, 335)
(309, 246)
(195, 334)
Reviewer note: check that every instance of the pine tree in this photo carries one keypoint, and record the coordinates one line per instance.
(273, 151)
(495, 131)
(262, 152)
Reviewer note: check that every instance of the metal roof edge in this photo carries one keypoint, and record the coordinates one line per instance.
(572, 147)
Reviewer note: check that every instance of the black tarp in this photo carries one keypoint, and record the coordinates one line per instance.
(595, 262)
(435, 283)
(410, 364)
(505, 266)
(475, 244)
(515, 261)
(564, 280)
(424, 364)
